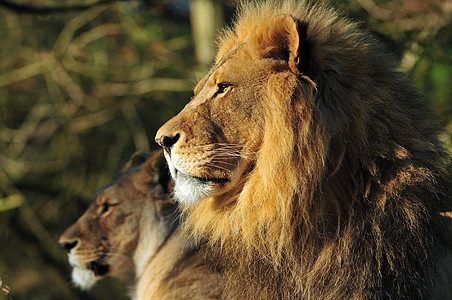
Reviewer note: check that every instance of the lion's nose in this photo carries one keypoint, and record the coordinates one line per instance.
(68, 245)
(166, 142)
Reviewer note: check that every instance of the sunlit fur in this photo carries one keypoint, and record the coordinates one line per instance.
(186, 188)
(342, 197)
(137, 237)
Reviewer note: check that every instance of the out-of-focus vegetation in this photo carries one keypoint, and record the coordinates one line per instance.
(80, 91)
(83, 84)
(420, 33)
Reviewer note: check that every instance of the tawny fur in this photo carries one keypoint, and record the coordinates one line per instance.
(341, 194)
(137, 236)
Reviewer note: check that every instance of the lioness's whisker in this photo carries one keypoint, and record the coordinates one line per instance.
(120, 256)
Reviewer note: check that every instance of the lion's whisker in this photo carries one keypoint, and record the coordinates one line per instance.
(216, 167)
(226, 146)
(225, 160)
(227, 156)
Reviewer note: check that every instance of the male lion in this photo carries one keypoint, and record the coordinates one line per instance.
(130, 231)
(310, 166)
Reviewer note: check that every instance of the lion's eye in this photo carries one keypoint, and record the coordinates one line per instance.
(222, 87)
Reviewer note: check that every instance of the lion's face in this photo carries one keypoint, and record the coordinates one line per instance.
(214, 140)
(103, 240)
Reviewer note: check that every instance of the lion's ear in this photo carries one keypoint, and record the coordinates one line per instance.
(136, 159)
(288, 38)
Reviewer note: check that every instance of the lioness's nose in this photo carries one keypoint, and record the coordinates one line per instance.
(68, 245)
(167, 142)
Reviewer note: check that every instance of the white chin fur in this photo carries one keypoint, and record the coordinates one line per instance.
(189, 190)
(83, 278)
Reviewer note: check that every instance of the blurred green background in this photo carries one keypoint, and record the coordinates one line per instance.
(85, 83)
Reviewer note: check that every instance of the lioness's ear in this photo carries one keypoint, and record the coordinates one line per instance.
(288, 38)
(136, 159)
(155, 173)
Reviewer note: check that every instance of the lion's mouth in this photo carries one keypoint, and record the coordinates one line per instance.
(190, 188)
(179, 174)
(203, 180)
(99, 268)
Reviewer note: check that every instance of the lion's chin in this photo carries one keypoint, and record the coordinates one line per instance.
(190, 190)
(83, 278)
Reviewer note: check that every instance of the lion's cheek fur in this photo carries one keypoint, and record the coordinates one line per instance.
(281, 171)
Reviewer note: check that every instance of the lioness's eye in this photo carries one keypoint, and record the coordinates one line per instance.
(106, 207)
(221, 88)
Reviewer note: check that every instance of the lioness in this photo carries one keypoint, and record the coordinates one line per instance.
(310, 165)
(130, 231)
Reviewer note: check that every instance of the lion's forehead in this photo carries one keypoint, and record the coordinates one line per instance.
(236, 64)
(207, 118)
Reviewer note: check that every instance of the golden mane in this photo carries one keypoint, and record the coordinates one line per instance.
(344, 197)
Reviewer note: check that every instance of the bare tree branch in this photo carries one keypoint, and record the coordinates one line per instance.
(24, 8)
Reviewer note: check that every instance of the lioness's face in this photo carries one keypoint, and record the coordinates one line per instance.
(103, 240)
(213, 141)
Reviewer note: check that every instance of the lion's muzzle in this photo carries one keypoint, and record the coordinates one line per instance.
(166, 142)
